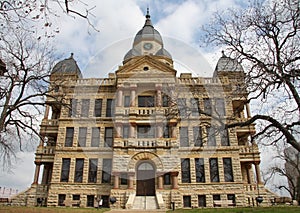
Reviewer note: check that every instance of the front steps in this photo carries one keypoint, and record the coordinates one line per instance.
(145, 202)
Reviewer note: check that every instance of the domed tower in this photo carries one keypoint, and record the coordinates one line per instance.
(68, 68)
(227, 64)
(148, 41)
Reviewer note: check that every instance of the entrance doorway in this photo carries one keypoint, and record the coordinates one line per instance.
(145, 179)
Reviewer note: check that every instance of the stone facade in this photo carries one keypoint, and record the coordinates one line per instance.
(159, 135)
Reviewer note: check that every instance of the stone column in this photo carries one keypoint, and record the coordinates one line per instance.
(130, 180)
(173, 131)
(248, 167)
(159, 130)
(133, 88)
(160, 183)
(158, 95)
(248, 110)
(116, 179)
(174, 176)
(36, 173)
(257, 171)
(118, 130)
(45, 174)
(120, 97)
(132, 131)
(46, 112)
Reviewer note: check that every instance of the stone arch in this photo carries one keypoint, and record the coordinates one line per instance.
(145, 156)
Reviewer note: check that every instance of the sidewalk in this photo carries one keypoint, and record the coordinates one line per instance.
(136, 210)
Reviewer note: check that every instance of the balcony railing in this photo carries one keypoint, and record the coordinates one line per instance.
(249, 153)
(49, 126)
(145, 142)
(45, 154)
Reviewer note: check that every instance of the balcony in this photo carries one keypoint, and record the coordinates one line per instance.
(145, 143)
(249, 153)
(49, 127)
(45, 154)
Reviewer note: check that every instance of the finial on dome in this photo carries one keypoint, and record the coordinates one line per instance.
(223, 53)
(148, 14)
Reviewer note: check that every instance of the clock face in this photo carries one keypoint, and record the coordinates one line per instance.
(148, 46)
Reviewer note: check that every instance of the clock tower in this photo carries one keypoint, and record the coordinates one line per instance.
(147, 41)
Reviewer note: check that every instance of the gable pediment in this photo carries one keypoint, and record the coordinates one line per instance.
(146, 66)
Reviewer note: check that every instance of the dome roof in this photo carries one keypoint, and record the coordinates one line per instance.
(226, 63)
(163, 52)
(67, 66)
(147, 34)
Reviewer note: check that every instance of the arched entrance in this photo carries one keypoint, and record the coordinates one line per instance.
(145, 179)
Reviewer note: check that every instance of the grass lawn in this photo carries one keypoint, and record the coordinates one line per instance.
(15, 209)
(273, 209)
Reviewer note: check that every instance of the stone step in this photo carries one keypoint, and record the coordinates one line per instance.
(145, 202)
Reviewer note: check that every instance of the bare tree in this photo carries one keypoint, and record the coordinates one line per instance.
(290, 170)
(12, 11)
(265, 38)
(25, 66)
(24, 84)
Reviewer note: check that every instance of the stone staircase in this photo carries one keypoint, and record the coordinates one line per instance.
(145, 202)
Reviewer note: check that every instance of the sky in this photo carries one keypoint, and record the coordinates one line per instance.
(101, 51)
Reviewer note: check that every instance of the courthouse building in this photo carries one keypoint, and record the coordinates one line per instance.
(146, 137)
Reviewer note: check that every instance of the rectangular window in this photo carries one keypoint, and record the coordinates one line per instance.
(185, 170)
(201, 201)
(216, 197)
(125, 131)
(127, 101)
(110, 108)
(165, 101)
(90, 199)
(146, 131)
(231, 197)
(69, 136)
(124, 178)
(214, 170)
(98, 108)
(199, 167)
(73, 108)
(224, 137)
(181, 104)
(211, 136)
(228, 172)
(65, 170)
(146, 101)
(76, 197)
(82, 137)
(167, 179)
(187, 201)
(184, 136)
(95, 141)
(93, 168)
(207, 106)
(61, 199)
(166, 133)
(85, 107)
(195, 106)
(220, 106)
(106, 170)
(108, 137)
(197, 132)
(78, 170)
